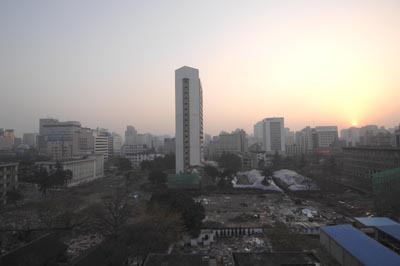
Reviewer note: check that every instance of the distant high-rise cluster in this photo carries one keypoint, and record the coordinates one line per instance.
(188, 119)
(66, 140)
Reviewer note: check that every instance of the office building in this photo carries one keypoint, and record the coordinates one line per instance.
(235, 142)
(30, 139)
(273, 134)
(56, 139)
(188, 118)
(116, 143)
(130, 135)
(101, 142)
(325, 136)
(8, 179)
(351, 136)
(7, 139)
(360, 163)
(169, 146)
(258, 132)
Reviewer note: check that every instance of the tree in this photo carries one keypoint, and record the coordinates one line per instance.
(113, 214)
(124, 164)
(154, 232)
(277, 161)
(211, 171)
(49, 179)
(13, 196)
(192, 212)
(230, 161)
(145, 165)
(284, 240)
(158, 178)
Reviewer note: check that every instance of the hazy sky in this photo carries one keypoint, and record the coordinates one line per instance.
(111, 63)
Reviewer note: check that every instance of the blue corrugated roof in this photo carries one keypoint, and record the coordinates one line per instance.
(368, 251)
(375, 221)
(393, 230)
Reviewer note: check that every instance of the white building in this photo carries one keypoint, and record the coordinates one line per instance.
(273, 134)
(137, 158)
(83, 170)
(351, 136)
(188, 118)
(101, 143)
(117, 143)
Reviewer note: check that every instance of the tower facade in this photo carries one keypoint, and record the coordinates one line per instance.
(188, 118)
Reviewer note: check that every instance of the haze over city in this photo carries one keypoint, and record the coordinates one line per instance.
(111, 64)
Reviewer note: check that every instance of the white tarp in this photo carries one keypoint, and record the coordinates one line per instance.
(294, 181)
(255, 179)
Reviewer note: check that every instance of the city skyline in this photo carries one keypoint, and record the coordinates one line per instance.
(114, 68)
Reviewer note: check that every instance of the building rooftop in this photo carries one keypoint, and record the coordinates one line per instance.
(375, 221)
(177, 260)
(272, 259)
(184, 181)
(392, 230)
(365, 249)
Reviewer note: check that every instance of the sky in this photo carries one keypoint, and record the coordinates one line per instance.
(111, 63)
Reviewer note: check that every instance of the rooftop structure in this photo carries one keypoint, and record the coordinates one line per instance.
(272, 259)
(375, 221)
(392, 230)
(350, 246)
(184, 181)
(178, 260)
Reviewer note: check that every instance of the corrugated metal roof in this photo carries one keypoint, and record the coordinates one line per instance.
(375, 221)
(392, 230)
(368, 251)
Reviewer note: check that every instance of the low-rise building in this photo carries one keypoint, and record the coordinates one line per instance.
(275, 258)
(83, 170)
(360, 163)
(351, 247)
(8, 179)
(137, 158)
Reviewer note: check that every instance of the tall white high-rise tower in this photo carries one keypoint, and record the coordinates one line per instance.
(188, 118)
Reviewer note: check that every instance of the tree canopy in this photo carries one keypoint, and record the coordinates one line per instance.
(230, 161)
(192, 213)
(50, 179)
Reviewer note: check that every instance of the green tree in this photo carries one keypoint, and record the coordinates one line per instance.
(284, 240)
(230, 161)
(211, 171)
(49, 179)
(157, 178)
(192, 212)
(124, 164)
